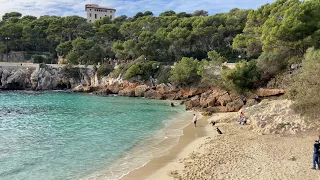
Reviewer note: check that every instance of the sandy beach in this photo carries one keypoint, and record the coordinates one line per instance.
(239, 153)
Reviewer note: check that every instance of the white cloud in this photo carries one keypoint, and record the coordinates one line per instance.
(127, 7)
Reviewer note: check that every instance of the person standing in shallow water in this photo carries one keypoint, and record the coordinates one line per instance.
(195, 119)
(316, 155)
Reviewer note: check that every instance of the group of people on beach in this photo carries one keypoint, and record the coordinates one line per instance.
(242, 120)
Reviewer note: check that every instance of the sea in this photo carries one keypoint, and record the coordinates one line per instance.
(62, 135)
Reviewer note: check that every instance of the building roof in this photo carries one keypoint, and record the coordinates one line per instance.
(97, 6)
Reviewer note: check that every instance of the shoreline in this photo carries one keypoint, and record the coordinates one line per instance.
(155, 168)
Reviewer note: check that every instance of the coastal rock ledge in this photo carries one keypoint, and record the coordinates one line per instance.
(207, 100)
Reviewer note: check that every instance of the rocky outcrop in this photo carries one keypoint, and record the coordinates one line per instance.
(140, 90)
(274, 117)
(14, 79)
(45, 78)
(153, 94)
(208, 99)
(127, 92)
(194, 102)
(269, 92)
(234, 105)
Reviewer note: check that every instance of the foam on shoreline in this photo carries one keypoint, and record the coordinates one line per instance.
(157, 145)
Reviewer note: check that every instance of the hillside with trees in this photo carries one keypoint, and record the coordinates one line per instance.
(265, 41)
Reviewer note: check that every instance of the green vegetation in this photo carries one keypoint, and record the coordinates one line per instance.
(142, 71)
(243, 77)
(104, 70)
(185, 72)
(166, 38)
(306, 87)
(268, 39)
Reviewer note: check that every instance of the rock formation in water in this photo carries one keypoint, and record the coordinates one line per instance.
(46, 78)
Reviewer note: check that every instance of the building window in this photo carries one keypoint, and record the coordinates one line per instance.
(110, 16)
(90, 9)
(100, 18)
(110, 11)
(95, 16)
(105, 15)
(90, 15)
(89, 20)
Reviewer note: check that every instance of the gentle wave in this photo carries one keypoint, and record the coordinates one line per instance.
(143, 152)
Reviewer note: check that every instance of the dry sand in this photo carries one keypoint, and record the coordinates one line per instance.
(237, 154)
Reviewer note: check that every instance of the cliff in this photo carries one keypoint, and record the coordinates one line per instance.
(45, 78)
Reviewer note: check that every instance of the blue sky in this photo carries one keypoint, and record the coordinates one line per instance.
(126, 7)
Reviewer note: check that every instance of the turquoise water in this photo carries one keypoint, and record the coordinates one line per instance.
(59, 135)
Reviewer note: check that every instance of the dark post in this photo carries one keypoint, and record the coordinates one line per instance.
(7, 38)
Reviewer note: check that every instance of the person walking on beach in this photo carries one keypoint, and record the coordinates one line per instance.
(316, 154)
(195, 119)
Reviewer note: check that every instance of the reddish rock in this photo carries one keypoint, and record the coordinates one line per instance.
(269, 92)
(163, 88)
(219, 92)
(234, 105)
(251, 102)
(207, 99)
(114, 89)
(250, 95)
(128, 92)
(140, 90)
(235, 96)
(224, 100)
(102, 92)
(187, 93)
(193, 103)
(153, 94)
(217, 109)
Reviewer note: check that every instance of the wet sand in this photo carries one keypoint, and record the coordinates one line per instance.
(237, 154)
(159, 166)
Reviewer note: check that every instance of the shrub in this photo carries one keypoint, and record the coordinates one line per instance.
(306, 86)
(163, 74)
(216, 57)
(242, 78)
(271, 64)
(142, 71)
(38, 59)
(209, 71)
(104, 70)
(185, 72)
(71, 72)
(133, 71)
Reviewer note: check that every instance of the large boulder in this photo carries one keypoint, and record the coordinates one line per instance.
(102, 92)
(251, 102)
(153, 94)
(269, 92)
(216, 109)
(234, 105)
(224, 99)
(15, 80)
(114, 89)
(140, 90)
(187, 93)
(193, 103)
(163, 88)
(207, 99)
(128, 92)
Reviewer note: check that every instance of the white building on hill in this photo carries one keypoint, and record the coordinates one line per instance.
(96, 12)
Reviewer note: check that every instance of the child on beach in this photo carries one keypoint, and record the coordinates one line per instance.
(195, 118)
